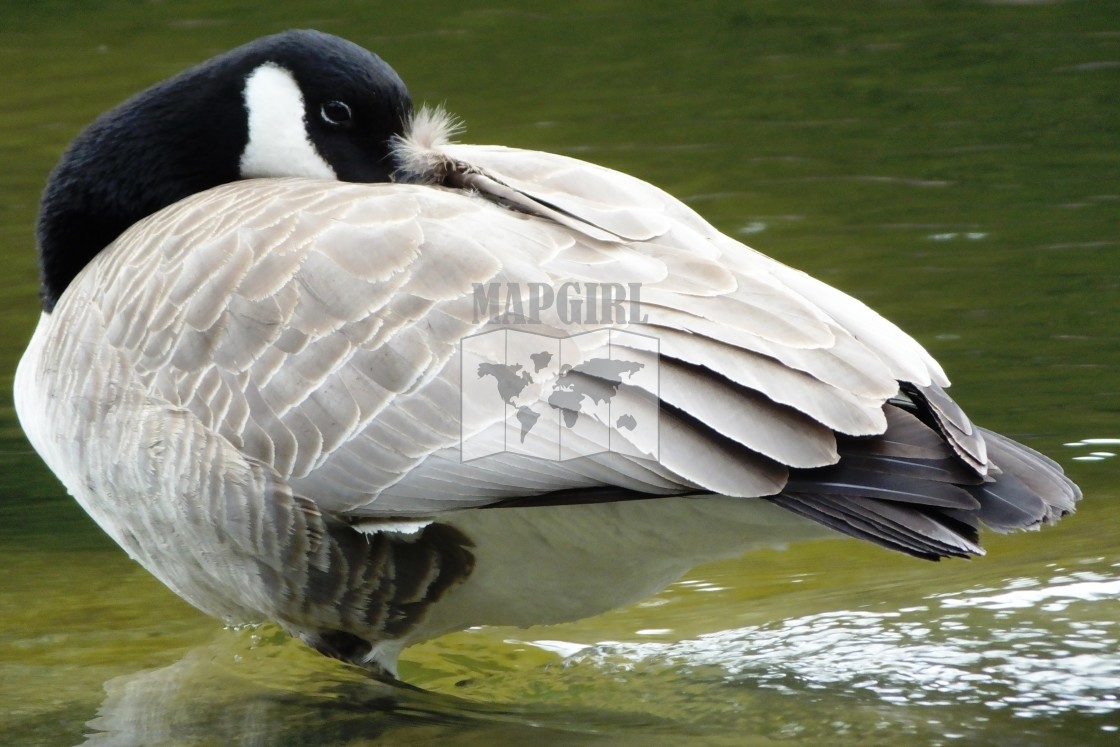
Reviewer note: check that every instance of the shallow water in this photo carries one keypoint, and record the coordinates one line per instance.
(957, 166)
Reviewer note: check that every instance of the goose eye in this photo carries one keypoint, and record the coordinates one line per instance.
(336, 114)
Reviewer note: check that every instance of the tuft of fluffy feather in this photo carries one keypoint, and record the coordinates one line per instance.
(417, 153)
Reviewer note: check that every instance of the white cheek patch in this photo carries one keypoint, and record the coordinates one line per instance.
(278, 141)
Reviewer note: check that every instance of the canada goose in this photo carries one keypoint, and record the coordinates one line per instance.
(262, 280)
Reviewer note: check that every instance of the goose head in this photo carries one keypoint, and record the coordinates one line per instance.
(299, 103)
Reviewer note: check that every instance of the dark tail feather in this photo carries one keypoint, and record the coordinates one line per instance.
(920, 489)
(904, 529)
(939, 411)
(1027, 488)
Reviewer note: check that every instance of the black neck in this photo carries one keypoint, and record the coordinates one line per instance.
(188, 133)
(133, 161)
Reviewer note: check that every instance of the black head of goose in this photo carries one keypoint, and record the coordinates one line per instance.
(287, 393)
(301, 103)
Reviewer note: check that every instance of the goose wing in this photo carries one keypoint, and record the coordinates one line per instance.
(318, 328)
(917, 489)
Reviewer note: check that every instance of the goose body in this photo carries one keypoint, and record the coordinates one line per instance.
(251, 370)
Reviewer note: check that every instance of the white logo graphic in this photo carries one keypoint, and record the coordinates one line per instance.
(559, 398)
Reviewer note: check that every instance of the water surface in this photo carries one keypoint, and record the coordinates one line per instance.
(956, 165)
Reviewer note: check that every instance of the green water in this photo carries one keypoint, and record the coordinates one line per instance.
(955, 164)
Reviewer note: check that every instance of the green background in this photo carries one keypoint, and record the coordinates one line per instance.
(954, 164)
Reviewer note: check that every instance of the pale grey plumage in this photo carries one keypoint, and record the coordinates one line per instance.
(244, 377)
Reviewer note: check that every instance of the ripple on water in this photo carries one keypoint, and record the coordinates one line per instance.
(1030, 647)
(1094, 456)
